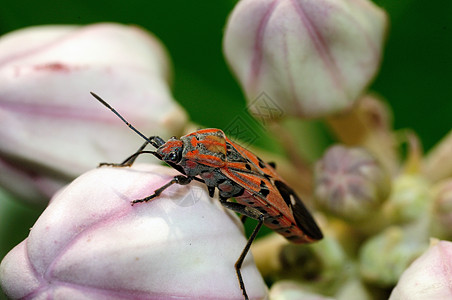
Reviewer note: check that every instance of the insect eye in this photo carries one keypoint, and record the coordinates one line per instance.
(174, 156)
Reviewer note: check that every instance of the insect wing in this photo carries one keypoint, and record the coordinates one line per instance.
(302, 216)
(260, 188)
(279, 197)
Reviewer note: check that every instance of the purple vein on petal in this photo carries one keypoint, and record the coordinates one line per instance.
(256, 60)
(105, 293)
(373, 46)
(73, 33)
(93, 226)
(46, 110)
(319, 43)
(38, 49)
(293, 94)
(32, 267)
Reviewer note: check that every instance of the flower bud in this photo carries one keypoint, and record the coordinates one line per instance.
(354, 289)
(91, 243)
(275, 255)
(51, 128)
(350, 183)
(437, 163)
(442, 208)
(410, 198)
(369, 125)
(288, 290)
(385, 256)
(429, 276)
(311, 58)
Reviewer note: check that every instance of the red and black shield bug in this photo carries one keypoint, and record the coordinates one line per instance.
(208, 156)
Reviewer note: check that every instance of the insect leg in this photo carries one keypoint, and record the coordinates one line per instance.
(179, 179)
(211, 190)
(239, 262)
(153, 140)
(246, 212)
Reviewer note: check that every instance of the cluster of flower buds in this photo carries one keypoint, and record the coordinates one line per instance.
(310, 59)
(315, 59)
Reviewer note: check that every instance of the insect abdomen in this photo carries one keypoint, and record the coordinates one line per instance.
(275, 220)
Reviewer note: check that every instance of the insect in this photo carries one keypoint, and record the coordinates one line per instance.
(208, 156)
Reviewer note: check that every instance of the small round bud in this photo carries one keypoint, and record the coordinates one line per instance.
(409, 200)
(442, 208)
(385, 256)
(350, 183)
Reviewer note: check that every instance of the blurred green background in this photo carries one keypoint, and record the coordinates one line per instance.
(415, 78)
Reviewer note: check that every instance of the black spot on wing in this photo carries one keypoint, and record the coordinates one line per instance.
(302, 216)
(261, 163)
(275, 220)
(264, 191)
(269, 178)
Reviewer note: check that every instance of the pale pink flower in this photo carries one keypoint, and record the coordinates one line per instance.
(91, 243)
(51, 128)
(310, 58)
(429, 276)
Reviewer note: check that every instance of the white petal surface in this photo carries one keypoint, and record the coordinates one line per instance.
(91, 243)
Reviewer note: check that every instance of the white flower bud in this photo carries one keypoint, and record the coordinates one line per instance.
(90, 243)
(311, 58)
(429, 276)
(51, 128)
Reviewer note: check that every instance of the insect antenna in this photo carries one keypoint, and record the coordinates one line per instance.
(153, 140)
(121, 117)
